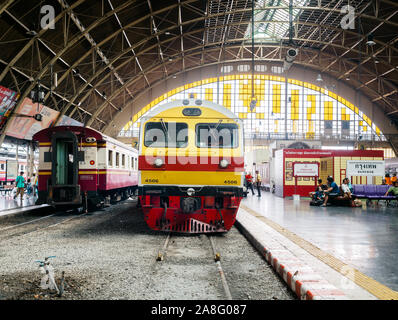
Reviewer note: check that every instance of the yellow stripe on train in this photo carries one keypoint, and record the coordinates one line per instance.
(200, 178)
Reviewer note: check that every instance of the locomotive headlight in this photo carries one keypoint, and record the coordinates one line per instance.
(224, 163)
(191, 192)
(244, 189)
(158, 162)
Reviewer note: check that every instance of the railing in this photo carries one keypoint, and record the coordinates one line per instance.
(293, 136)
(310, 137)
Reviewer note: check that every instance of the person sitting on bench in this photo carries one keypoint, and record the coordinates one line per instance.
(332, 191)
(318, 193)
(346, 189)
(393, 190)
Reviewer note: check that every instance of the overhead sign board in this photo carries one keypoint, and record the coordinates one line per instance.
(305, 169)
(24, 127)
(369, 168)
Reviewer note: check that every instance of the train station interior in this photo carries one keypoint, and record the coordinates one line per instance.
(264, 132)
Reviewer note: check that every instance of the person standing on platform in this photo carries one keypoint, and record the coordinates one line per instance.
(258, 183)
(393, 178)
(35, 184)
(20, 184)
(249, 182)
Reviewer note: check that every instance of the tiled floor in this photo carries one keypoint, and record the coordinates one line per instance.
(366, 239)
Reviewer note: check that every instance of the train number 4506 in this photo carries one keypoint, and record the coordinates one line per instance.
(231, 181)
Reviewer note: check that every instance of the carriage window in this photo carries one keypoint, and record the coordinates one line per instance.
(217, 135)
(117, 159)
(166, 134)
(2, 166)
(123, 161)
(110, 157)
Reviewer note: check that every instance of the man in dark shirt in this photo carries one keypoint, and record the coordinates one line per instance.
(332, 191)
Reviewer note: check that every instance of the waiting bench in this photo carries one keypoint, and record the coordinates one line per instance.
(372, 192)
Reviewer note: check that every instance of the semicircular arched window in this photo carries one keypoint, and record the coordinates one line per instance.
(289, 109)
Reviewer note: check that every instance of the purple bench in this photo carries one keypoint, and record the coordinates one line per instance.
(372, 192)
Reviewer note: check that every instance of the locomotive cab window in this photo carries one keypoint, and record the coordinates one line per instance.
(217, 135)
(166, 135)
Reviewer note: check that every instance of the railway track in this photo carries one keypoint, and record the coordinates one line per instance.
(37, 224)
(34, 225)
(162, 257)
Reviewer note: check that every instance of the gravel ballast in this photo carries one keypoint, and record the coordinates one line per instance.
(111, 254)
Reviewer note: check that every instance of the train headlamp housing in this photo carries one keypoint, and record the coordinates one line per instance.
(91, 139)
(224, 163)
(158, 163)
(244, 189)
(190, 192)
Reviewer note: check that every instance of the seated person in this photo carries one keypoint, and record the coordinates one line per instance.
(393, 190)
(350, 185)
(331, 192)
(345, 188)
(318, 193)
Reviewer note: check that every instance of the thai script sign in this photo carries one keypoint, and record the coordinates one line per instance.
(305, 169)
(365, 167)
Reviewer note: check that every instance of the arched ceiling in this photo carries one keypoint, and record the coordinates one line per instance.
(106, 52)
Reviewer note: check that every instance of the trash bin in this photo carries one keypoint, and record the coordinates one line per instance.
(296, 197)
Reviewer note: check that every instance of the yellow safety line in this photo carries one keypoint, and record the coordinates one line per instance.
(374, 287)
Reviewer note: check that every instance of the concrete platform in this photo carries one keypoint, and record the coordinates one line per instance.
(9, 206)
(335, 252)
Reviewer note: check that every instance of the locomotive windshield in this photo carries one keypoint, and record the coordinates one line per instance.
(217, 135)
(166, 135)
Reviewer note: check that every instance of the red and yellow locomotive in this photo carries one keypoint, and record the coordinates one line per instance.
(191, 167)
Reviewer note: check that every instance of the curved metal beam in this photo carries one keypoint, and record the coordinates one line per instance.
(59, 54)
(127, 50)
(132, 81)
(128, 83)
(32, 41)
(110, 37)
(5, 5)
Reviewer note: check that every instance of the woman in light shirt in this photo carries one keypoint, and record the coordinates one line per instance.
(345, 188)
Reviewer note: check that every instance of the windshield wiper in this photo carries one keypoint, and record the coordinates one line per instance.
(165, 129)
(211, 131)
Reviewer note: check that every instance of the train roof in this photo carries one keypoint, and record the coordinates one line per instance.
(191, 103)
(81, 132)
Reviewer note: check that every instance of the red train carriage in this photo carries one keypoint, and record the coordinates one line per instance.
(81, 166)
(191, 167)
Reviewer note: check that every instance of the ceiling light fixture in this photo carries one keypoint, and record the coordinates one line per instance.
(370, 41)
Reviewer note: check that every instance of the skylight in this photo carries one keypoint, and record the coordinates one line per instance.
(265, 11)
